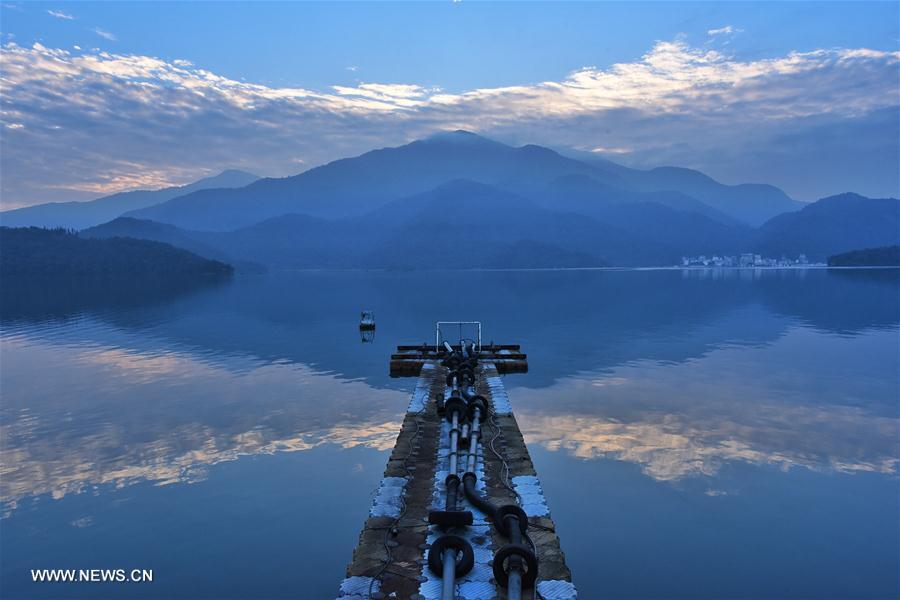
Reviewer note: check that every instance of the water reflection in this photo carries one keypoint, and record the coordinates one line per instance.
(111, 415)
(670, 447)
(833, 409)
(686, 377)
(568, 321)
(157, 390)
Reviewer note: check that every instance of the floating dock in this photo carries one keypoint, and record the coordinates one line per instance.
(411, 520)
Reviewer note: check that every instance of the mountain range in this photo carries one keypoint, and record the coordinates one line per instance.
(78, 215)
(833, 225)
(459, 200)
(355, 186)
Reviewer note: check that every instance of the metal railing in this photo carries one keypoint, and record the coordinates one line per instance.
(438, 334)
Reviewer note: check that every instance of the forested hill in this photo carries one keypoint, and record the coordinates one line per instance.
(34, 251)
(886, 256)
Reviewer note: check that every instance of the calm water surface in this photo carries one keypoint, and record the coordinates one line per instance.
(699, 434)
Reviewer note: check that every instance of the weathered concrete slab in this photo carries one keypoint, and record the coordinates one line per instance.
(392, 546)
(504, 437)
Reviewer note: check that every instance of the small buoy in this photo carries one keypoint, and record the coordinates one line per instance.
(367, 320)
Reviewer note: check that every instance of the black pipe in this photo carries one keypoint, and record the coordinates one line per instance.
(477, 500)
(452, 491)
(515, 537)
(515, 534)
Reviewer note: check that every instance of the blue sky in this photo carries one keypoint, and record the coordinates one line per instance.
(725, 89)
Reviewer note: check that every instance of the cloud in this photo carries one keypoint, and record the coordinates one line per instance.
(606, 150)
(105, 34)
(726, 30)
(60, 15)
(103, 121)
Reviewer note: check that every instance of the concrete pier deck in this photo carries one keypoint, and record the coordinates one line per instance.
(389, 561)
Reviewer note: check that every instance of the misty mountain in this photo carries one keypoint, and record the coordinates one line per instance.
(79, 215)
(355, 186)
(831, 226)
(458, 225)
(462, 224)
(465, 224)
(750, 203)
(158, 232)
(585, 195)
(127, 227)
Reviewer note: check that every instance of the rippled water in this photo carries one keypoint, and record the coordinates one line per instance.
(698, 433)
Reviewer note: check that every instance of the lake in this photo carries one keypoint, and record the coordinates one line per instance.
(699, 433)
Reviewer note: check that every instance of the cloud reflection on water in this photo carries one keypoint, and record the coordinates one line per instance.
(773, 406)
(672, 448)
(790, 369)
(74, 431)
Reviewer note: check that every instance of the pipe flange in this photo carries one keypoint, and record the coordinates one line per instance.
(510, 510)
(480, 402)
(455, 404)
(501, 575)
(464, 563)
(451, 376)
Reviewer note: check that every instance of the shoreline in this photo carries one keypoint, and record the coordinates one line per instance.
(815, 267)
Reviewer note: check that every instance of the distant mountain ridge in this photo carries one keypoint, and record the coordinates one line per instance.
(831, 226)
(355, 186)
(79, 215)
(358, 185)
(464, 224)
(751, 203)
(459, 200)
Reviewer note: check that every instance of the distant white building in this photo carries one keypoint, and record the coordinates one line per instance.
(747, 259)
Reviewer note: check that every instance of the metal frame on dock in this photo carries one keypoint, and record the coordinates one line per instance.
(408, 360)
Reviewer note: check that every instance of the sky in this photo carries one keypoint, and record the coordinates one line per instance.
(103, 97)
